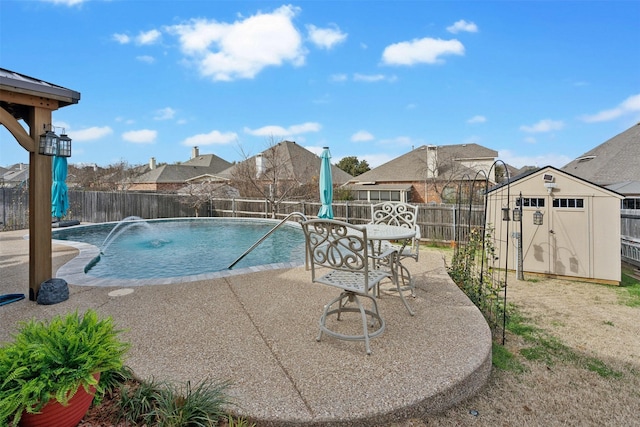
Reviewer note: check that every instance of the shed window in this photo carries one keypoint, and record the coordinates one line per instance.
(568, 203)
(531, 202)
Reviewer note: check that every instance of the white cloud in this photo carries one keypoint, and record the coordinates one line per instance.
(426, 50)
(326, 38)
(142, 136)
(477, 119)
(90, 134)
(546, 125)
(375, 160)
(461, 26)
(165, 114)
(547, 159)
(148, 37)
(212, 138)
(629, 105)
(146, 58)
(404, 141)
(279, 131)
(65, 2)
(121, 38)
(362, 135)
(371, 78)
(338, 78)
(240, 50)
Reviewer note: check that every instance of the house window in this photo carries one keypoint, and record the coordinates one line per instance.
(631, 203)
(379, 195)
(568, 203)
(531, 202)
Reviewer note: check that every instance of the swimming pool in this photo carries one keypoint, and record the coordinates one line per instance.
(159, 251)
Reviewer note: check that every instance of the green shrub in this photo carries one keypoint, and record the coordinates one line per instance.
(52, 359)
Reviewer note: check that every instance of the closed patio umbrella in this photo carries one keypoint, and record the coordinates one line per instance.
(59, 195)
(326, 185)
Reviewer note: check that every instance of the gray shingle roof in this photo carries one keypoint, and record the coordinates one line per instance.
(615, 160)
(297, 162)
(204, 164)
(411, 167)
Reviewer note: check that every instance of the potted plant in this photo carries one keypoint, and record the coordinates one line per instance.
(54, 365)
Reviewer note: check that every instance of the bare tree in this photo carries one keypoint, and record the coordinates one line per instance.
(275, 176)
(444, 173)
(197, 194)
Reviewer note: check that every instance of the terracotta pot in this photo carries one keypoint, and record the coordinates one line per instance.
(54, 414)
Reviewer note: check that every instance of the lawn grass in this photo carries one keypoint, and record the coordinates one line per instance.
(540, 346)
(630, 287)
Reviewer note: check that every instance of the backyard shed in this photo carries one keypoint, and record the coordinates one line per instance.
(577, 229)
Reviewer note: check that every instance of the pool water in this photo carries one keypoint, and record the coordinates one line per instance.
(184, 247)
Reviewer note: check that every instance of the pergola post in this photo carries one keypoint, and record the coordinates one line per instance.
(33, 101)
(40, 179)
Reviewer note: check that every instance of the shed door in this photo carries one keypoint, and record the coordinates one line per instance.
(561, 245)
(569, 237)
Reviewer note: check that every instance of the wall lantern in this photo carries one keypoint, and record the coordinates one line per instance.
(505, 214)
(517, 214)
(54, 145)
(537, 218)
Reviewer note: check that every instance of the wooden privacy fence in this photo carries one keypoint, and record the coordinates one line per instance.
(437, 223)
(630, 236)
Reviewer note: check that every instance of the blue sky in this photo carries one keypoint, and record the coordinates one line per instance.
(541, 82)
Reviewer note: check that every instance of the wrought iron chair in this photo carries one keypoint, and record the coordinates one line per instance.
(339, 256)
(402, 215)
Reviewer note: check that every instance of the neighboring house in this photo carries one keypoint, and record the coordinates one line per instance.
(171, 178)
(579, 234)
(15, 176)
(614, 164)
(287, 166)
(427, 174)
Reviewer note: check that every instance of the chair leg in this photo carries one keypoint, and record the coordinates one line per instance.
(347, 297)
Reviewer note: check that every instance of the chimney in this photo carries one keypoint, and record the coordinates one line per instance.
(152, 163)
(432, 161)
(260, 167)
(195, 152)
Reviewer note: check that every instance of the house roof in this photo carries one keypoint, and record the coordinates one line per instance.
(200, 165)
(412, 166)
(628, 188)
(615, 160)
(297, 164)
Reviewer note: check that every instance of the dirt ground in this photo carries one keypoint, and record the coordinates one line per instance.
(592, 320)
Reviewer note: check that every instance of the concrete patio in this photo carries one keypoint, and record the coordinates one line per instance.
(259, 331)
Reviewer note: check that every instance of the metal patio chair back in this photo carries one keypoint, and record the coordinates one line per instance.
(338, 254)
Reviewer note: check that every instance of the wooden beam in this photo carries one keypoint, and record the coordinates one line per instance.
(18, 132)
(28, 100)
(39, 207)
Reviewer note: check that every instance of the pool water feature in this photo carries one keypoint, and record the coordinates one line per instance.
(185, 247)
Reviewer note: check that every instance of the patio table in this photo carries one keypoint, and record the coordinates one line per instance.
(377, 233)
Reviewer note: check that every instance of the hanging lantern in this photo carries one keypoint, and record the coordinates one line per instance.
(48, 144)
(537, 218)
(505, 214)
(64, 145)
(517, 214)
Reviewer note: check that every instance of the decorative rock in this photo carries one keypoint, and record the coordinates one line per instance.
(53, 291)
